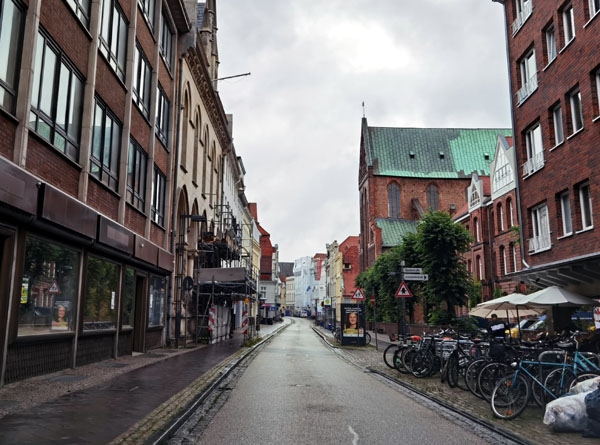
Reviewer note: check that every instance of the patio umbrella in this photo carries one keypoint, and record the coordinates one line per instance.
(557, 296)
(508, 303)
(486, 312)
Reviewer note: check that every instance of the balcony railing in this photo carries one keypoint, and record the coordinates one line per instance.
(533, 164)
(527, 89)
(539, 243)
(522, 17)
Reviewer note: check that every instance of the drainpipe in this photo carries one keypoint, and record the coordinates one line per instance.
(512, 118)
(491, 242)
(174, 196)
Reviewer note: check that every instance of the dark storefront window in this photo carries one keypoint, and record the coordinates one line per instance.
(101, 294)
(158, 286)
(48, 289)
(128, 298)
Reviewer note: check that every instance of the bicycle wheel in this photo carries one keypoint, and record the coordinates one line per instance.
(444, 372)
(388, 355)
(407, 356)
(489, 376)
(422, 363)
(582, 377)
(398, 364)
(471, 376)
(453, 370)
(558, 381)
(510, 396)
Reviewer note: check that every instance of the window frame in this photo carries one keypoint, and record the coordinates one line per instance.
(594, 8)
(551, 49)
(136, 175)
(510, 212)
(576, 105)
(535, 156)
(163, 112)
(38, 114)
(112, 181)
(568, 18)
(15, 51)
(80, 10)
(148, 8)
(117, 61)
(558, 125)
(540, 228)
(566, 214)
(394, 195)
(585, 206)
(157, 206)
(433, 197)
(143, 73)
(166, 48)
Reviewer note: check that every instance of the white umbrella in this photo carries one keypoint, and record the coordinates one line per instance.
(486, 312)
(507, 302)
(557, 296)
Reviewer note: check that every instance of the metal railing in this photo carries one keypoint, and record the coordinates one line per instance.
(533, 164)
(539, 243)
(522, 17)
(527, 89)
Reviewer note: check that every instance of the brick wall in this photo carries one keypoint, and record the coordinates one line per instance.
(47, 163)
(134, 220)
(140, 128)
(102, 200)
(8, 128)
(110, 89)
(157, 234)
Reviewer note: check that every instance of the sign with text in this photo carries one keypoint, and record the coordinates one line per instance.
(403, 291)
(412, 270)
(353, 324)
(415, 277)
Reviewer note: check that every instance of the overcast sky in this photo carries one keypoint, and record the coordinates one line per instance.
(415, 63)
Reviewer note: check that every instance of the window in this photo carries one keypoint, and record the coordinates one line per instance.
(57, 98)
(523, 9)
(557, 123)
(106, 146)
(576, 111)
(166, 40)
(565, 210)
(503, 269)
(540, 229)
(163, 108)
(511, 218)
(136, 175)
(585, 205)
(513, 249)
(568, 24)
(534, 150)
(101, 294)
(596, 83)
(157, 298)
(81, 8)
(550, 44)
(594, 7)
(141, 81)
(158, 197)
(205, 160)
(394, 200)
(113, 36)
(128, 311)
(147, 7)
(433, 201)
(479, 268)
(477, 234)
(49, 288)
(500, 218)
(529, 82)
(11, 35)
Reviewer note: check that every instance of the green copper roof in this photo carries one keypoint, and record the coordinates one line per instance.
(393, 230)
(432, 152)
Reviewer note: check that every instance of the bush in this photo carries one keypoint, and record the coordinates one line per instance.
(440, 317)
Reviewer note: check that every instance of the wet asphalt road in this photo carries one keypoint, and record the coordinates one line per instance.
(298, 391)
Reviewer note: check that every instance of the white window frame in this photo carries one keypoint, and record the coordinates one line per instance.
(504, 268)
(524, 9)
(550, 44)
(594, 8)
(598, 89)
(501, 217)
(529, 83)
(565, 209)
(510, 213)
(480, 268)
(535, 150)
(540, 241)
(568, 17)
(557, 121)
(514, 254)
(585, 205)
(576, 111)
(477, 233)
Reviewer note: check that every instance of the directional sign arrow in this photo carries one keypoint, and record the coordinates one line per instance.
(412, 270)
(415, 277)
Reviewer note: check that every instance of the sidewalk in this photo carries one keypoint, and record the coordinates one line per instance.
(100, 402)
(528, 425)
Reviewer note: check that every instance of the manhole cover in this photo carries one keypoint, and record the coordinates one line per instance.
(111, 365)
(67, 378)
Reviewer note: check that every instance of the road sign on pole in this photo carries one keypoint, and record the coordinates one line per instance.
(415, 277)
(412, 270)
(358, 295)
(403, 291)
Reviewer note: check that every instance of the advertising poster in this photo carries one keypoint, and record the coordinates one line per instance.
(61, 313)
(597, 317)
(353, 324)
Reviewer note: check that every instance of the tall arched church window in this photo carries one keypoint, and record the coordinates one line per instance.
(433, 200)
(394, 200)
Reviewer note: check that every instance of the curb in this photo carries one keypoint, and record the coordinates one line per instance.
(158, 431)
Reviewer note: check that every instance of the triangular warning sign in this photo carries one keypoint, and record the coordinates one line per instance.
(54, 289)
(403, 291)
(358, 295)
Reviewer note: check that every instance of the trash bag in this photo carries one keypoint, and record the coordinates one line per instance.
(567, 414)
(592, 406)
(586, 386)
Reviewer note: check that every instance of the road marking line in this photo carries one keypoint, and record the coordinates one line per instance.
(355, 440)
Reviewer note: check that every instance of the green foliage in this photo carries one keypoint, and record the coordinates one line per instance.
(440, 316)
(516, 233)
(497, 293)
(474, 293)
(466, 325)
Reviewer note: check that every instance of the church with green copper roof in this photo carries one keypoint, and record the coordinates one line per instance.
(405, 172)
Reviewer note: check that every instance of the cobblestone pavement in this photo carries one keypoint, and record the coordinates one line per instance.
(528, 425)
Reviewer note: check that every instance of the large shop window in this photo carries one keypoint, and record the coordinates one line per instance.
(11, 35)
(128, 298)
(56, 102)
(158, 287)
(106, 143)
(101, 294)
(48, 289)
(113, 36)
(136, 175)
(142, 78)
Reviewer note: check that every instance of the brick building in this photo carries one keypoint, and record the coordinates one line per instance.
(554, 68)
(86, 157)
(489, 215)
(404, 172)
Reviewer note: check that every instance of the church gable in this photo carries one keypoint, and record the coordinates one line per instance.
(502, 170)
